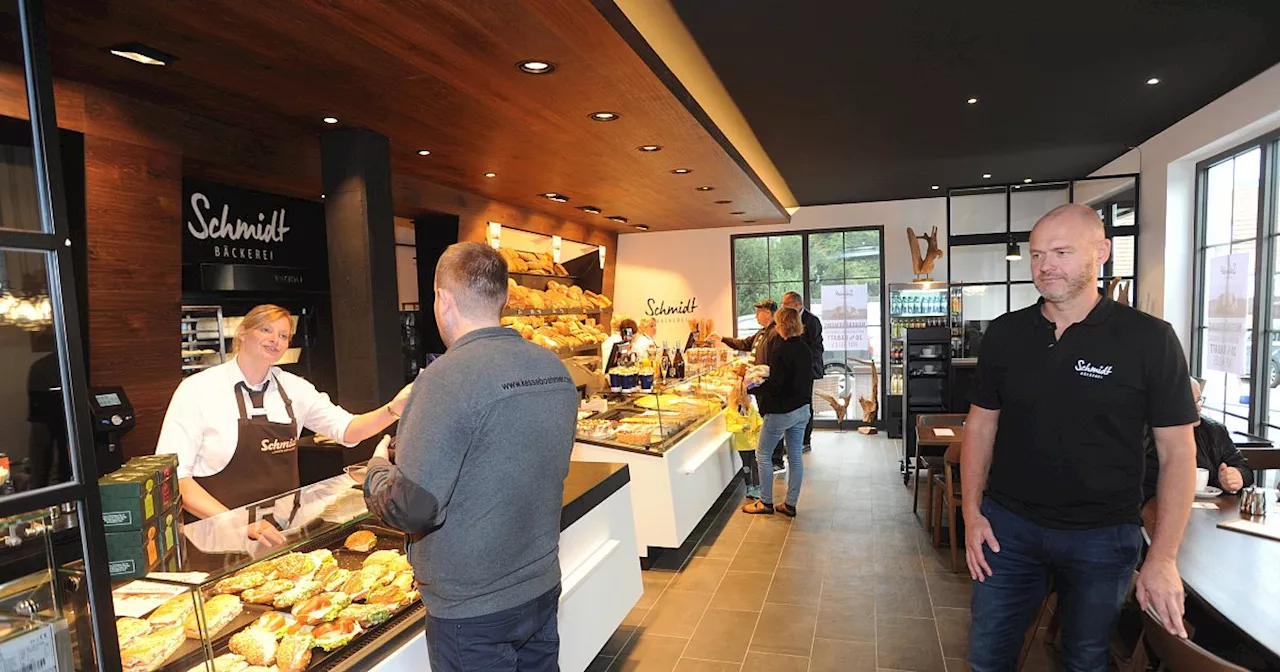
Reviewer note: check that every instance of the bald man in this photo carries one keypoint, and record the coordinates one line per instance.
(1052, 462)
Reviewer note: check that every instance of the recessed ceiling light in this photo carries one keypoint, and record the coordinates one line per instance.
(490, 174)
(705, 188)
(617, 218)
(650, 148)
(424, 152)
(682, 171)
(589, 208)
(536, 67)
(322, 197)
(738, 212)
(723, 202)
(558, 198)
(330, 120)
(986, 176)
(141, 53)
(935, 187)
(972, 101)
(1026, 180)
(604, 116)
(640, 227)
(1153, 81)
(748, 221)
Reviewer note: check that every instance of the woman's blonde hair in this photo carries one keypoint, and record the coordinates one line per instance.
(260, 315)
(788, 321)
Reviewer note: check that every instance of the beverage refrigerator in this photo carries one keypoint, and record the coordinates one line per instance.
(912, 305)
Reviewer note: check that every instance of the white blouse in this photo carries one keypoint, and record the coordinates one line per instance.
(202, 424)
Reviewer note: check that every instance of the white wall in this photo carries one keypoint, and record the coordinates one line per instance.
(673, 267)
(1166, 164)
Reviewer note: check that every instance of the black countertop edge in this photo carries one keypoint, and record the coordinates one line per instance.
(587, 485)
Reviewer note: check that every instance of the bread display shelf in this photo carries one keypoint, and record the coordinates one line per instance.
(542, 275)
(533, 312)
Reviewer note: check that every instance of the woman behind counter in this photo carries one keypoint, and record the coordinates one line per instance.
(235, 426)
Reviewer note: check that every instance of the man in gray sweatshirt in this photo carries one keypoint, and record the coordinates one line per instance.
(481, 457)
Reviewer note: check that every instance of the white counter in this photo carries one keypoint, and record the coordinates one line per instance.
(672, 491)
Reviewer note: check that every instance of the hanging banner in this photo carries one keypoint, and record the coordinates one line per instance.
(844, 317)
(1226, 318)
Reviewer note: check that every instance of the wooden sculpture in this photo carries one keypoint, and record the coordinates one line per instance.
(1118, 290)
(838, 404)
(870, 405)
(922, 264)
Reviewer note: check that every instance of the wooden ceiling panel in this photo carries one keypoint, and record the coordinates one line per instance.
(439, 75)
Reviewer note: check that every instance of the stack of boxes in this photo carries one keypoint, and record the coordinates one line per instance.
(142, 515)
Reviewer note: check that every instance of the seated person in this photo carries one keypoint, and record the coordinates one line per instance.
(1215, 451)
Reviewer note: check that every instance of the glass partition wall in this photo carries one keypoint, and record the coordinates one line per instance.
(50, 512)
(988, 225)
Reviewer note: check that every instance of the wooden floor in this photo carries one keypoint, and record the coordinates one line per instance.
(851, 584)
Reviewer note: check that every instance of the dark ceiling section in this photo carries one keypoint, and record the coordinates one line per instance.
(865, 101)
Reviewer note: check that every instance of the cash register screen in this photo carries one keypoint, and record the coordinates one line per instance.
(108, 399)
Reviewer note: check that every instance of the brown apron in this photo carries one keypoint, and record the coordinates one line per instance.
(266, 459)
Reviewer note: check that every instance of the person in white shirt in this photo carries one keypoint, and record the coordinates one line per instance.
(646, 338)
(235, 426)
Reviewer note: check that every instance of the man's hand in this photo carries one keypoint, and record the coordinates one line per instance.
(977, 532)
(1160, 593)
(402, 398)
(264, 532)
(384, 448)
(1230, 478)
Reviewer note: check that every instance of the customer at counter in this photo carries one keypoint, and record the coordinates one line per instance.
(758, 345)
(812, 338)
(1216, 453)
(784, 399)
(235, 426)
(1051, 467)
(479, 476)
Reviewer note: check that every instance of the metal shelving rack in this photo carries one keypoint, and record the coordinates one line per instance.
(200, 343)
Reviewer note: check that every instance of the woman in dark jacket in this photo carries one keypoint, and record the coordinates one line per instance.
(784, 402)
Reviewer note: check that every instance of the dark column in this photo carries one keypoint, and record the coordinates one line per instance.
(432, 233)
(356, 171)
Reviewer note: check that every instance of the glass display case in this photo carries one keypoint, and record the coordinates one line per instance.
(320, 585)
(35, 632)
(648, 414)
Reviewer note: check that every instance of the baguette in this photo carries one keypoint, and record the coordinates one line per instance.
(336, 580)
(148, 652)
(219, 610)
(336, 634)
(367, 615)
(174, 611)
(301, 591)
(129, 629)
(321, 608)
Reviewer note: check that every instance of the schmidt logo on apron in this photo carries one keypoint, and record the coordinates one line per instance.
(276, 446)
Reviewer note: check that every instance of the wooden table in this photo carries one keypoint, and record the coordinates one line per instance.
(926, 435)
(1235, 574)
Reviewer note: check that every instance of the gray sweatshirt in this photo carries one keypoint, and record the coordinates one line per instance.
(481, 457)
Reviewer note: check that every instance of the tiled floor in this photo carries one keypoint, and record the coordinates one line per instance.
(851, 584)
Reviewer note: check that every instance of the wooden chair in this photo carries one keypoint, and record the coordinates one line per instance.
(1177, 654)
(946, 493)
(933, 463)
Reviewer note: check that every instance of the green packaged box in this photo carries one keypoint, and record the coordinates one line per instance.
(128, 499)
(132, 554)
(166, 468)
(171, 527)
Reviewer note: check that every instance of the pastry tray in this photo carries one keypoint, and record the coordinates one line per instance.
(191, 653)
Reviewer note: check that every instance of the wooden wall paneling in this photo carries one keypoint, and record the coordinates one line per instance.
(132, 195)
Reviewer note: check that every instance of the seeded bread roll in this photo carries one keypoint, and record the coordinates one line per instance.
(240, 583)
(295, 566)
(267, 592)
(336, 634)
(336, 580)
(294, 652)
(257, 646)
(275, 623)
(301, 591)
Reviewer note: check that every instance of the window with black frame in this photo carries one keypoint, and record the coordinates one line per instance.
(839, 274)
(989, 231)
(1236, 324)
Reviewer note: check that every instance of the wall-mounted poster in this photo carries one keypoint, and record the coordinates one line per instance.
(844, 317)
(1226, 316)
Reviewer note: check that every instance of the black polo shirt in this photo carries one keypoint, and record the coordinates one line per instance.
(1069, 444)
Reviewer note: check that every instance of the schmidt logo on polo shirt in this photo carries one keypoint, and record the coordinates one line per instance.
(1090, 371)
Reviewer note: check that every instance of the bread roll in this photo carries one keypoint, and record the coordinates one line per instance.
(257, 646)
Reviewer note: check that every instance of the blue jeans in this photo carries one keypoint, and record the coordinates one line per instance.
(519, 639)
(778, 426)
(1091, 572)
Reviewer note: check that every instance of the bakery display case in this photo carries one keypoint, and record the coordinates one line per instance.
(334, 585)
(35, 629)
(654, 415)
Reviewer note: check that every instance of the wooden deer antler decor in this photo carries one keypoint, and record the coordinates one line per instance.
(922, 264)
(870, 406)
(1118, 290)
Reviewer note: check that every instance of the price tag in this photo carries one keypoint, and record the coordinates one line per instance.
(33, 651)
